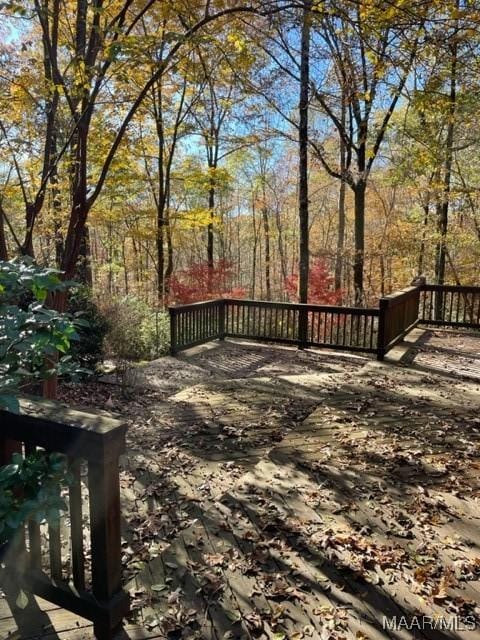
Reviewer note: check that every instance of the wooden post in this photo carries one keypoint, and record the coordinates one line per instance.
(302, 327)
(7, 449)
(104, 490)
(381, 346)
(221, 319)
(173, 330)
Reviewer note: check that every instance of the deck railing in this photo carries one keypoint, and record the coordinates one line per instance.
(76, 563)
(373, 330)
(302, 324)
(196, 323)
(398, 316)
(450, 305)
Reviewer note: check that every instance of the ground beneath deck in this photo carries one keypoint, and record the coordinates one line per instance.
(284, 494)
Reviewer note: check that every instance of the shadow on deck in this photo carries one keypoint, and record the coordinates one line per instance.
(313, 495)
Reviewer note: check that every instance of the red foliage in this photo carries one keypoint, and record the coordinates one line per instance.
(191, 284)
(320, 285)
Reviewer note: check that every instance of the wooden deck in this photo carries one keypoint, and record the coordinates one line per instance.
(287, 495)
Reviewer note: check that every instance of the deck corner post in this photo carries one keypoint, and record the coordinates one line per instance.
(104, 492)
(382, 317)
(302, 326)
(221, 319)
(173, 331)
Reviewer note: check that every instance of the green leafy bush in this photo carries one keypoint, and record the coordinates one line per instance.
(31, 334)
(38, 477)
(88, 350)
(34, 341)
(137, 332)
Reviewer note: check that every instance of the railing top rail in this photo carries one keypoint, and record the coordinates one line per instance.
(309, 307)
(399, 296)
(450, 287)
(96, 437)
(193, 305)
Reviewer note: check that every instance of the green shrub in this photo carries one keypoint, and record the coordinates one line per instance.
(34, 339)
(88, 350)
(29, 488)
(34, 345)
(136, 331)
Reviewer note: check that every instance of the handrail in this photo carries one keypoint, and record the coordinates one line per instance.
(93, 443)
(374, 330)
(299, 305)
(192, 305)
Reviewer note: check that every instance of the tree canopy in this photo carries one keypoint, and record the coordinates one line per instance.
(143, 144)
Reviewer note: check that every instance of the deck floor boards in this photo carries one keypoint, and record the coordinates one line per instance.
(321, 502)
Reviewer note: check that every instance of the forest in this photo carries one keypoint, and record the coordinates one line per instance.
(178, 151)
(239, 319)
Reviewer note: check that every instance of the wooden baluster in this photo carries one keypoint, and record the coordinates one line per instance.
(55, 549)
(35, 552)
(76, 525)
(173, 332)
(244, 310)
(337, 332)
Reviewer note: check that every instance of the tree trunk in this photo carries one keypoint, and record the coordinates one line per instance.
(254, 251)
(266, 231)
(210, 261)
(303, 259)
(421, 252)
(443, 205)
(83, 271)
(281, 248)
(359, 258)
(341, 207)
(160, 198)
(125, 270)
(3, 240)
(169, 269)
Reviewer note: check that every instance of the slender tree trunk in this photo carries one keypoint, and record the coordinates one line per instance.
(83, 271)
(125, 270)
(254, 251)
(3, 239)
(160, 241)
(210, 260)
(443, 205)
(359, 258)
(161, 197)
(421, 252)
(281, 248)
(135, 262)
(303, 262)
(266, 231)
(341, 206)
(382, 274)
(169, 269)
